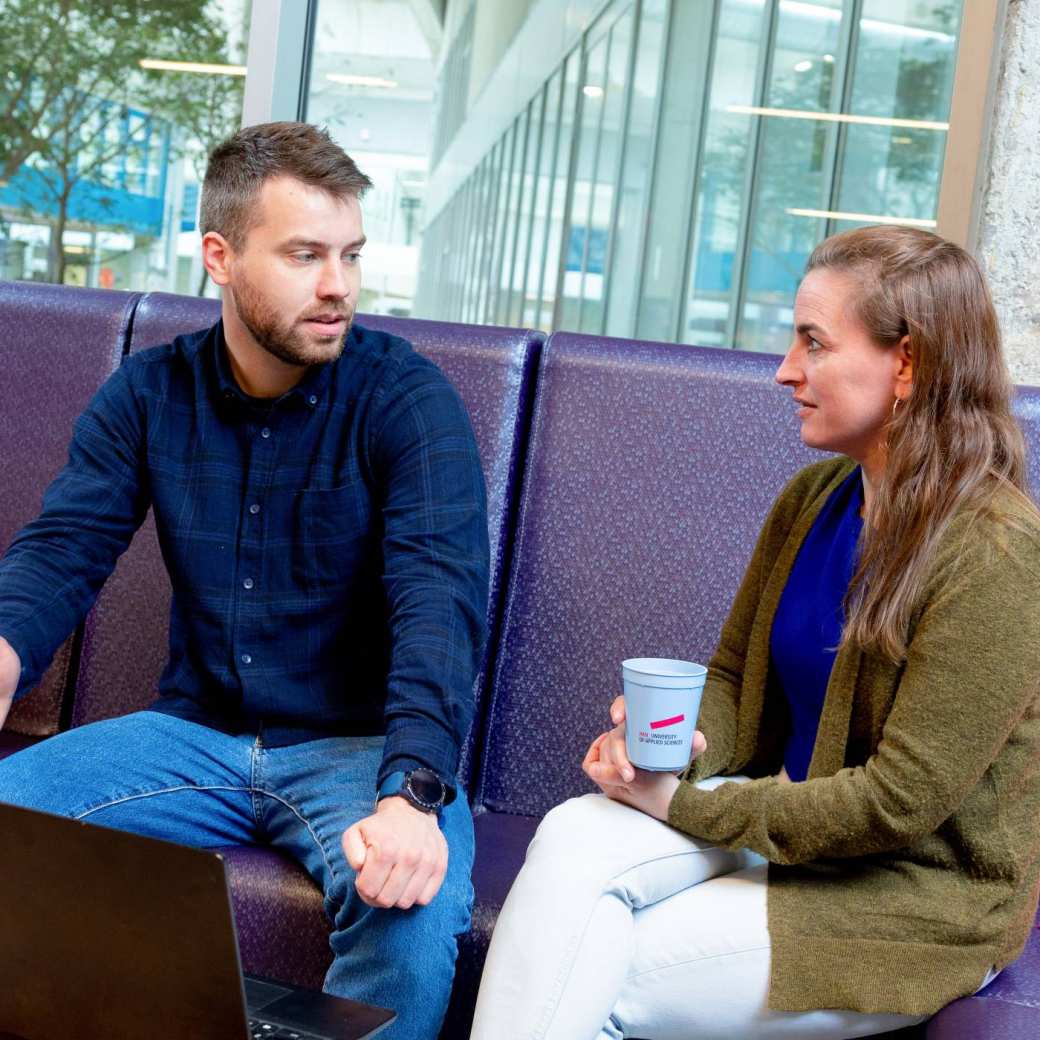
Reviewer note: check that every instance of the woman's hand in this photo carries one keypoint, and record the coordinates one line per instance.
(606, 764)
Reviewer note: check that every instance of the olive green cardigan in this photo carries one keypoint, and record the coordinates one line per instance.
(907, 863)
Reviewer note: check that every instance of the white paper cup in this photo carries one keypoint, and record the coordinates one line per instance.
(662, 699)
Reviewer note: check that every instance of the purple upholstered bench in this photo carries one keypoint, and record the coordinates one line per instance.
(649, 472)
(57, 347)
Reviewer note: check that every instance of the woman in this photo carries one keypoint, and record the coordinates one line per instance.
(874, 696)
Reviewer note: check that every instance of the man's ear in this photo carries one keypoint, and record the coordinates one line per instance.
(217, 255)
(905, 369)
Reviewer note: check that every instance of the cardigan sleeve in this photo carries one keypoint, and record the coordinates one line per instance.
(720, 703)
(972, 674)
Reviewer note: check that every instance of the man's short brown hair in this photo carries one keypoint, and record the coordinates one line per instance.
(239, 166)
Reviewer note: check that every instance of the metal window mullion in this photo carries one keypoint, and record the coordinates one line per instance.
(453, 254)
(592, 179)
(850, 38)
(276, 76)
(552, 185)
(472, 242)
(488, 256)
(466, 243)
(493, 245)
(480, 238)
(682, 311)
(740, 258)
(462, 264)
(619, 172)
(656, 146)
(462, 207)
(568, 201)
(496, 281)
(519, 171)
(534, 198)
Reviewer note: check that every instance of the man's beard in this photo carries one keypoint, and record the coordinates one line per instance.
(286, 340)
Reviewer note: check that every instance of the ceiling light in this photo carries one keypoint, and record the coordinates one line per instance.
(350, 80)
(865, 218)
(803, 66)
(592, 92)
(836, 117)
(829, 58)
(193, 66)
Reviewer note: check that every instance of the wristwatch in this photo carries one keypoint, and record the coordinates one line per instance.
(421, 787)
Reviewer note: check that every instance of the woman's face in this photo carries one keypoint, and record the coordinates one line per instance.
(844, 382)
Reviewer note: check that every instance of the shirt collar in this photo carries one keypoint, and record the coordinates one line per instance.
(309, 391)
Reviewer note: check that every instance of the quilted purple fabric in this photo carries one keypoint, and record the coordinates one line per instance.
(59, 345)
(649, 473)
(282, 928)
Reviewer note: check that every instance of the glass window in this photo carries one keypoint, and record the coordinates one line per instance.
(514, 201)
(793, 167)
(101, 157)
(526, 210)
(555, 246)
(608, 158)
(678, 143)
(670, 177)
(505, 183)
(542, 197)
(626, 243)
(371, 83)
(578, 245)
(488, 224)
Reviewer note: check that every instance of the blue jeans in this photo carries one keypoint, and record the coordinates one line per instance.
(167, 778)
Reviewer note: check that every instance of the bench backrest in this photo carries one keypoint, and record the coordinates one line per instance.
(650, 470)
(59, 344)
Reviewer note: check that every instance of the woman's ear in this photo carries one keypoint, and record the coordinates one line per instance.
(904, 369)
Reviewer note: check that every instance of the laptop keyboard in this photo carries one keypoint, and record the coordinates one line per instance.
(260, 1030)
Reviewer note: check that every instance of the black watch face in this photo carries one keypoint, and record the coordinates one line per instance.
(426, 786)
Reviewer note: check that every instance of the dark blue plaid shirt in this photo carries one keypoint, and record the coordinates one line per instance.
(328, 551)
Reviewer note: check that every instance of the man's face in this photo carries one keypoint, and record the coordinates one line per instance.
(294, 282)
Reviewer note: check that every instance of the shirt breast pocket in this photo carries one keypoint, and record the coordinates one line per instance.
(337, 541)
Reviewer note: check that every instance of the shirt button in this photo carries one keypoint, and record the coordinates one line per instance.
(312, 400)
(248, 583)
(246, 659)
(254, 508)
(265, 433)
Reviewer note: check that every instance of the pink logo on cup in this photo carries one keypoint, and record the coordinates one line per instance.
(662, 723)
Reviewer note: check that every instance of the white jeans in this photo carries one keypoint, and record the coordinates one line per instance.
(619, 926)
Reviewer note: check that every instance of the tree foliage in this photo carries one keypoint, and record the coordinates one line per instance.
(71, 74)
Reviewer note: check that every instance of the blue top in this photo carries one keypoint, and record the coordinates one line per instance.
(328, 550)
(810, 616)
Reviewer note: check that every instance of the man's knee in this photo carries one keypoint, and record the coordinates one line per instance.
(24, 781)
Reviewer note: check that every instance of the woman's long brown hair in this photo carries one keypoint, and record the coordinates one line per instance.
(953, 443)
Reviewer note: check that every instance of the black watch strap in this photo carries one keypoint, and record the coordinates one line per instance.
(422, 788)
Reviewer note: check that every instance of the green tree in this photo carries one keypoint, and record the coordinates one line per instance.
(71, 74)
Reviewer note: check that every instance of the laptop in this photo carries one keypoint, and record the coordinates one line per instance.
(106, 934)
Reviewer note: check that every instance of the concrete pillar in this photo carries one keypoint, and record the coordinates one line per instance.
(1009, 226)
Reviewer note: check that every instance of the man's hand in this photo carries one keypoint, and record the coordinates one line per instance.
(10, 670)
(399, 854)
(606, 764)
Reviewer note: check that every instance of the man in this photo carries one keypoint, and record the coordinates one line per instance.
(321, 511)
